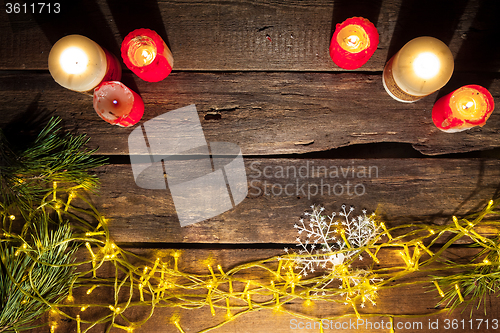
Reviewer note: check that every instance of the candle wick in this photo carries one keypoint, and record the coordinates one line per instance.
(115, 102)
(468, 105)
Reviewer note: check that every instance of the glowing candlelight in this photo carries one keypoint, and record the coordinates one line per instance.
(353, 43)
(463, 108)
(117, 104)
(423, 66)
(147, 55)
(78, 63)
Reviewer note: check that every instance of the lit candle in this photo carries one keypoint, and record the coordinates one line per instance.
(78, 63)
(147, 55)
(353, 43)
(463, 108)
(117, 104)
(423, 66)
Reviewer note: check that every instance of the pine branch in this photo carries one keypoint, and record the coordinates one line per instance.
(36, 271)
(53, 156)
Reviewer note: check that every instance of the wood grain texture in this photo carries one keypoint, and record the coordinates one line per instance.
(263, 113)
(257, 35)
(419, 300)
(399, 190)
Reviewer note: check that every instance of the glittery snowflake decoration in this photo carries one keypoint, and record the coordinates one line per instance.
(328, 241)
(329, 244)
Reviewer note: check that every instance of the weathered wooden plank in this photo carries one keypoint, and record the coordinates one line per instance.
(264, 113)
(257, 35)
(281, 190)
(419, 300)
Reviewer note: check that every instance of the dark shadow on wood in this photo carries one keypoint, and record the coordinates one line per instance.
(359, 151)
(132, 14)
(78, 17)
(130, 80)
(480, 50)
(344, 9)
(433, 18)
(23, 130)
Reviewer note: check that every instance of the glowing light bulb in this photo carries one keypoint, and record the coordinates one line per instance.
(426, 65)
(74, 60)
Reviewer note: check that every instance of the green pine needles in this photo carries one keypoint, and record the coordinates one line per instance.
(36, 268)
(34, 272)
(27, 173)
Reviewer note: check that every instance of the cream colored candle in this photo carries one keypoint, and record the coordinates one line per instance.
(423, 66)
(78, 63)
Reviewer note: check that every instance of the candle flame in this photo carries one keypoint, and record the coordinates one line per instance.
(468, 105)
(74, 60)
(353, 41)
(426, 65)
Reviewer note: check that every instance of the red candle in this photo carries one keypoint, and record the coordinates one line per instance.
(353, 43)
(463, 108)
(147, 55)
(117, 104)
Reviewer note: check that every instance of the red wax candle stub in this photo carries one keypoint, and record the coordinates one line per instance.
(353, 43)
(117, 104)
(145, 53)
(463, 108)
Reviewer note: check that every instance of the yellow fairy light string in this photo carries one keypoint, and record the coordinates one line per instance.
(141, 293)
(125, 328)
(278, 271)
(211, 271)
(355, 309)
(403, 255)
(94, 233)
(78, 329)
(89, 291)
(176, 255)
(276, 294)
(54, 186)
(249, 301)
(391, 319)
(373, 256)
(490, 203)
(219, 267)
(342, 234)
(382, 224)
(438, 289)
(70, 197)
(116, 310)
(246, 289)
(457, 288)
(187, 290)
(94, 262)
(175, 321)
(152, 272)
(429, 252)
(144, 271)
(321, 326)
(228, 308)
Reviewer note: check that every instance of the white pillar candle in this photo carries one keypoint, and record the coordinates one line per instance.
(118, 105)
(423, 66)
(78, 63)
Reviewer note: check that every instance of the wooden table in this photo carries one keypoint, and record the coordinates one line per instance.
(261, 77)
